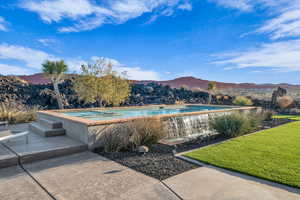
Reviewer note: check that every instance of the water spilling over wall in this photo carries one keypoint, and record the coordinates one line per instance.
(185, 127)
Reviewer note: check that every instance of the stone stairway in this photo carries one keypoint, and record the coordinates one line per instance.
(47, 128)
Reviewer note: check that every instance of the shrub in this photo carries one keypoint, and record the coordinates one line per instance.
(242, 101)
(179, 102)
(17, 114)
(235, 124)
(129, 136)
(116, 137)
(147, 131)
(285, 102)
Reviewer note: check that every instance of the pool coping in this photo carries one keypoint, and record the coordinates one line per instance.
(88, 122)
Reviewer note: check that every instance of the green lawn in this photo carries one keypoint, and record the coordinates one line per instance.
(272, 154)
(292, 117)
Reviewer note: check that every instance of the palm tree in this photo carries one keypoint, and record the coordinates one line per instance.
(212, 87)
(55, 70)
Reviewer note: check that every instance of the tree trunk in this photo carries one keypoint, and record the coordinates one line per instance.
(58, 96)
(209, 98)
(99, 102)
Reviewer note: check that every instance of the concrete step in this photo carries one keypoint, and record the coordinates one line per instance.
(52, 153)
(45, 131)
(50, 124)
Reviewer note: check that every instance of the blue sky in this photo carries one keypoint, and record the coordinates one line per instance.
(223, 40)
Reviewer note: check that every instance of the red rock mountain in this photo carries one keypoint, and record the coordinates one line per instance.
(190, 82)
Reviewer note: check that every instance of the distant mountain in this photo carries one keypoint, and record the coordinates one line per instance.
(36, 79)
(189, 81)
(195, 83)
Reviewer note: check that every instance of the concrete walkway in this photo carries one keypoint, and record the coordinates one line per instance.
(15, 184)
(88, 176)
(211, 184)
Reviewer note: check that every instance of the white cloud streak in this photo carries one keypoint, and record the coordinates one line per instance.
(3, 24)
(33, 58)
(13, 70)
(284, 15)
(282, 56)
(87, 14)
(47, 41)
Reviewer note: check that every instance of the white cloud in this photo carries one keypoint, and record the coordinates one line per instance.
(3, 24)
(136, 73)
(186, 6)
(88, 14)
(244, 5)
(31, 57)
(284, 15)
(283, 56)
(56, 10)
(13, 70)
(133, 73)
(285, 25)
(47, 41)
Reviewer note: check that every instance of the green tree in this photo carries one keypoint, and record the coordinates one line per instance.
(99, 83)
(55, 70)
(211, 88)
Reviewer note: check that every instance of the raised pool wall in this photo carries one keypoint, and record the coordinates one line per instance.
(178, 126)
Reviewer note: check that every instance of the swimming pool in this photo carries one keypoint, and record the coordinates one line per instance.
(112, 114)
(180, 121)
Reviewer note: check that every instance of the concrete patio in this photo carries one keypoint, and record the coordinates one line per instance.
(38, 148)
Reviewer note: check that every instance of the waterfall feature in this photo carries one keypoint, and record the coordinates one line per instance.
(191, 126)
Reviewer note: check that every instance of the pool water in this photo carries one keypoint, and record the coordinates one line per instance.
(112, 114)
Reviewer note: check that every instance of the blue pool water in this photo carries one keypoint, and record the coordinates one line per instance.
(138, 112)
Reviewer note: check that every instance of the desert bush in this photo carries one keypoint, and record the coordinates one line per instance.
(179, 102)
(17, 114)
(285, 102)
(147, 132)
(236, 124)
(116, 138)
(242, 101)
(129, 136)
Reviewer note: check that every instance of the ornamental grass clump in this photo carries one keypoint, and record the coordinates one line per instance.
(147, 132)
(17, 114)
(236, 124)
(129, 136)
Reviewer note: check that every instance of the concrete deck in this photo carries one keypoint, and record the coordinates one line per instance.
(38, 148)
(88, 176)
(7, 158)
(211, 184)
(15, 184)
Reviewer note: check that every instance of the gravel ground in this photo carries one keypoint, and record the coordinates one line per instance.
(158, 163)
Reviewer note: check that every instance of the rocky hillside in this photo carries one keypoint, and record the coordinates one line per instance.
(14, 89)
